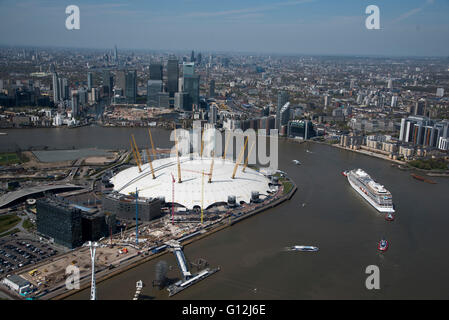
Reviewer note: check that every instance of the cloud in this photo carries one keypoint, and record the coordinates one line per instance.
(413, 11)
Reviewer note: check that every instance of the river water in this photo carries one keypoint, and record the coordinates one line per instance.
(325, 212)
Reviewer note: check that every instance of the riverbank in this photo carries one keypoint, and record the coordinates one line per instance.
(104, 275)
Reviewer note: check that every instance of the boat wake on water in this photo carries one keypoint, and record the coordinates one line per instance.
(301, 248)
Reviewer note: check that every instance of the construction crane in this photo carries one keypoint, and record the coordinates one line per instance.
(247, 157)
(134, 154)
(177, 156)
(240, 158)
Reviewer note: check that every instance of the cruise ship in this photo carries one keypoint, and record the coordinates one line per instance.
(376, 194)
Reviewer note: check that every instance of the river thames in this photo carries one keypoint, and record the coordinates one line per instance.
(325, 212)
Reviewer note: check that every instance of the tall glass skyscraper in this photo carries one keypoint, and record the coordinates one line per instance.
(172, 75)
(131, 86)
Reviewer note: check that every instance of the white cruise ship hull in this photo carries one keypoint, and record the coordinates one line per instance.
(370, 201)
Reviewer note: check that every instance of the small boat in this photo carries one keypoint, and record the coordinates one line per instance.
(296, 162)
(417, 177)
(389, 217)
(345, 173)
(383, 245)
(303, 248)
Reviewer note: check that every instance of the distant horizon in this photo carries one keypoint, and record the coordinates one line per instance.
(188, 51)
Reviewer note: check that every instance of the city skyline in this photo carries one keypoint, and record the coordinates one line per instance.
(309, 27)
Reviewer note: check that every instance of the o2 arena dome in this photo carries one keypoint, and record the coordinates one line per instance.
(194, 188)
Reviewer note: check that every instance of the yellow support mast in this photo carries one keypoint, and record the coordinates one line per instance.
(137, 150)
(247, 157)
(152, 144)
(134, 154)
(226, 146)
(211, 167)
(177, 156)
(151, 164)
(240, 158)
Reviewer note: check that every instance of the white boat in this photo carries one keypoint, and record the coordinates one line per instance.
(373, 192)
(303, 248)
(296, 161)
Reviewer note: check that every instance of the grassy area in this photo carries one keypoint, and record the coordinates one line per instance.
(9, 158)
(288, 186)
(7, 222)
(28, 225)
(430, 164)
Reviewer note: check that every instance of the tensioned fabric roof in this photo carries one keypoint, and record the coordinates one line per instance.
(189, 193)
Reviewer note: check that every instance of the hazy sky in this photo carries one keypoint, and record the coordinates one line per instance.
(413, 27)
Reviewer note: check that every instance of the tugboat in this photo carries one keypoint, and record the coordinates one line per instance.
(389, 217)
(383, 245)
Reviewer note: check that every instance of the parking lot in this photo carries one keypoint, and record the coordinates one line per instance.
(18, 253)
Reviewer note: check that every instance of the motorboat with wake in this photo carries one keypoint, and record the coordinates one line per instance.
(383, 245)
(389, 217)
(296, 162)
(303, 248)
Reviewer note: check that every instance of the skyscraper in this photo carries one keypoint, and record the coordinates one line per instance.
(155, 71)
(121, 80)
(115, 54)
(56, 90)
(192, 57)
(131, 87)
(108, 82)
(212, 88)
(282, 100)
(172, 75)
(154, 87)
(188, 69)
(75, 105)
(192, 87)
(89, 81)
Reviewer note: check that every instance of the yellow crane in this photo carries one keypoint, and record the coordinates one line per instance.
(240, 158)
(134, 154)
(249, 153)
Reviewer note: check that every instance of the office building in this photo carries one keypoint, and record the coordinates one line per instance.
(285, 114)
(59, 221)
(131, 87)
(282, 100)
(75, 105)
(90, 82)
(154, 87)
(213, 113)
(212, 89)
(108, 82)
(172, 75)
(182, 101)
(192, 87)
(188, 69)
(56, 90)
(155, 71)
